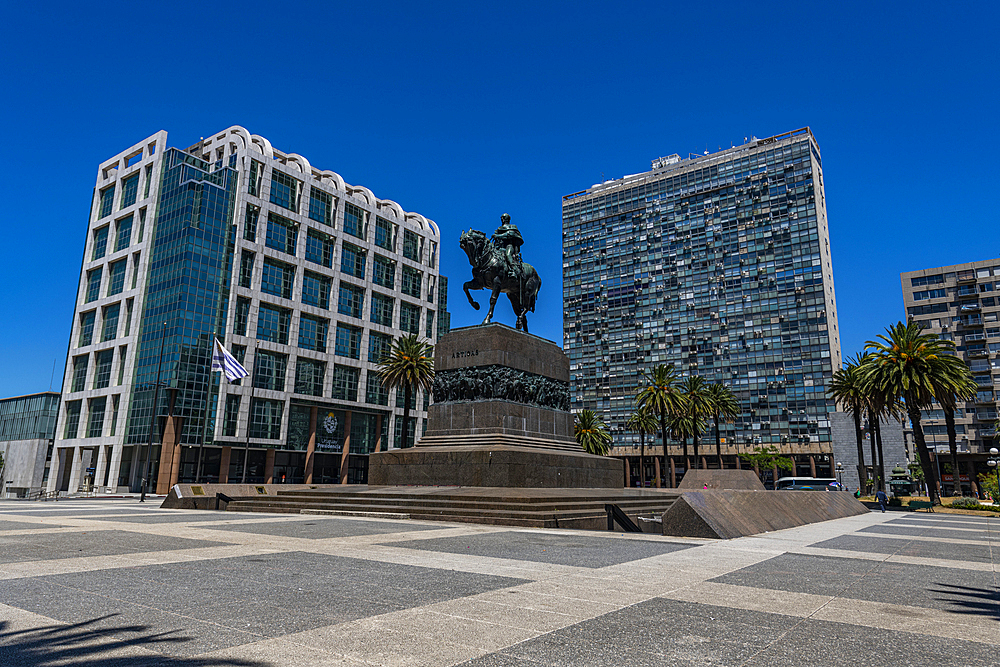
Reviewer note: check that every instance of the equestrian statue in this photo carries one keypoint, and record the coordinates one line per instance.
(497, 266)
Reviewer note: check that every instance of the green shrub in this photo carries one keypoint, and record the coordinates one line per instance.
(895, 502)
(965, 503)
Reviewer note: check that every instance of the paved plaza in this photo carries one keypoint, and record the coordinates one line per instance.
(113, 582)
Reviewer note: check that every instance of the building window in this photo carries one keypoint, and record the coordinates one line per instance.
(232, 416)
(351, 300)
(116, 272)
(348, 342)
(122, 355)
(130, 189)
(412, 245)
(384, 272)
(242, 316)
(250, 223)
(93, 285)
(382, 307)
(375, 391)
(265, 419)
(123, 233)
(429, 331)
(103, 361)
(246, 268)
(320, 206)
(100, 242)
(379, 346)
(398, 430)
(285, 190)
(385, 234)
(256, 175)
(79, 373)
(109, 330)
(316, 290)
(354, 220)
(281, 233)
(269, 370)
(411, 282)
(313, 332)
(319, 248)
(352, 260)
(87, 328)
(345, 383)
(309, 376)
(107, 201)
(409, 317)
(128, 316)
(72, 419)
(273, 323)
(114, 412)
(277, 278)
(95, 421)
(149, 180)
(401, 395)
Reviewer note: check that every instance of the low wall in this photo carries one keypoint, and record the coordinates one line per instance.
(743, 480)
(202, 496)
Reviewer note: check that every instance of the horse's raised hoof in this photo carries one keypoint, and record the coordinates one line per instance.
(475, 305)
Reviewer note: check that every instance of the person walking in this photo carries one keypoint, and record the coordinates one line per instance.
(882, 499)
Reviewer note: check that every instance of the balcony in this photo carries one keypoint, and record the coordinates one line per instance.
(966, 277)
(971, 308)
(977, 354)
(970, 323)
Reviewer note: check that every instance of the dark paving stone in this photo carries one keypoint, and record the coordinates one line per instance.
(224, 602)
(42, 512)
(168, 517)
(959, 591)
(978, 553)
(990, 524)
(578, 550)
(318, 529)
(930, 531)
(51, 546)
(21, 525)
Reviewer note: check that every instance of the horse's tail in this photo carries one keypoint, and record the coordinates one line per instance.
(534, 284)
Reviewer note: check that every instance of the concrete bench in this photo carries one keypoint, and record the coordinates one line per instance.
(921, 504)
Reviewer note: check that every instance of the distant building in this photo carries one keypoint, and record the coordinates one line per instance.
(306, 279)
(27, 430)
(719, 264)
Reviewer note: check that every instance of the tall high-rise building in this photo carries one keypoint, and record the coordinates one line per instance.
(306, 279)
(720, 265)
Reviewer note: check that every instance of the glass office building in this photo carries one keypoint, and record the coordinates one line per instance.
(719, 264)
(306, 279)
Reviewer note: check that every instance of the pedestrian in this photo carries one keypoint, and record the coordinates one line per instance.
(857, 493)
(882, 499)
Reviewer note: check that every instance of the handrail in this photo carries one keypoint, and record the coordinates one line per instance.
(615, 513)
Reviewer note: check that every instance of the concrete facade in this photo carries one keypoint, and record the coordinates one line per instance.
(27, 427)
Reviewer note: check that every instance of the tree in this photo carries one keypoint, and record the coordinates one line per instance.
(724, 407)
(959, 384)
(642, 421)
(847, 388)
(909, 364)
(766, 458)
(408, 364)
(698, 406)
(660, 395)
(591, 433)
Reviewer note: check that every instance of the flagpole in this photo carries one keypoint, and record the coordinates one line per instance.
(246, 448)
(234, 370)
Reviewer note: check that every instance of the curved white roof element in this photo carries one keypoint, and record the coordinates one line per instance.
(300, 163)
(391, 207)
(362, 191)
(264, 145)
(331, 178)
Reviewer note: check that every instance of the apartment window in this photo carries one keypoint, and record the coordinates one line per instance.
(95, 420)
(385, 234)
(354, 220)
(409, 317)
(246, 268)
(345, 383)
(379, 346)
(285, 190)
(309, 376)
(273, 323)
(412, 245)
(411, 282)
(72, 419)
(269, 370)
(281, 233)
(123, 233)
(232, 415)
(348, 342)
(265, 419)
(316, 290)
(375, 391)
(103, 361)
(319, 248)
(79, 373)
(313, 332)
(250, 223)
(109, 330)
(87, 328)
(277, 278)
(100, 242)
(242, 316)
(352, 260)
(382, 307)
(130, 189)
(320, 206)
(256, 175)
(384, 272)
(93, 285)
(351, 300)
(116, 273)
(107, 201)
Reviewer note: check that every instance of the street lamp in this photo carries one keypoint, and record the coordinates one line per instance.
(840, 475)
(995, 463)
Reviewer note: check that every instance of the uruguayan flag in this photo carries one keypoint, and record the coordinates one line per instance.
(225, 362)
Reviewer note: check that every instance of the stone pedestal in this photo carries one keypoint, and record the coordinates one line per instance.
(499, 418)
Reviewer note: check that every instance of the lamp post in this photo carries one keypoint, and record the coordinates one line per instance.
(840, 475)
(995, 463)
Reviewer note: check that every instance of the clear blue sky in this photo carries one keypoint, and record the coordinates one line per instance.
(461, 111)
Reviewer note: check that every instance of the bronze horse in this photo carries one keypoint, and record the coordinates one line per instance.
(489, 271)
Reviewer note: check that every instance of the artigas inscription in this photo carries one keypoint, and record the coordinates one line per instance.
(461, 354)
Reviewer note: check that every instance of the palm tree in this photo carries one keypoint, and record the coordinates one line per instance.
(699, 406)
(660, 395)
(591, 434)
(907, 363)
(642, 422)
(959, 385)
(724, 406)
(848, 389)
(407, 364)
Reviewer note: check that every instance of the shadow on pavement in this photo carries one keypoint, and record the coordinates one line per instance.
(79, 644)
(976, 601)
